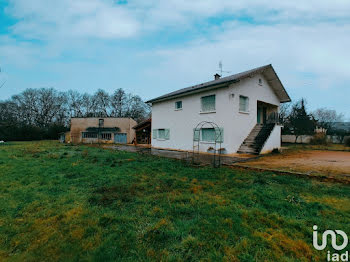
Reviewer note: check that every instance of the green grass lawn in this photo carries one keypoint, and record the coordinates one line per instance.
(64, 203)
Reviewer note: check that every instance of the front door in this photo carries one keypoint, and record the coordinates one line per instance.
(259, 115)
(120, 138)
(264, 115)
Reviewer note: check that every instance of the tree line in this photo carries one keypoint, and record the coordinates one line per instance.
(298, 121)
(43, 113)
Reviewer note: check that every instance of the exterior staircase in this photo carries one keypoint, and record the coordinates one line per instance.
(256, 139)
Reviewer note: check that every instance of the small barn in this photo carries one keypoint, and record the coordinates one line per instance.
(102, 130)
(143, 132)
(64, 137)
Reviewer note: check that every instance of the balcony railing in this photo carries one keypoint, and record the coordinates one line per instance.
(274, 118)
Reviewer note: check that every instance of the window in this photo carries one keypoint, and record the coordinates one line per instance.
(162, 134)
(243, 104)
(178, 105)
(209, 135)
(208, 103)
(101, 122)
(106, 136)
(89, 135)
(260, 81)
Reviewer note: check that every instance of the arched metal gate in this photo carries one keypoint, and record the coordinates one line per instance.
(197, 133)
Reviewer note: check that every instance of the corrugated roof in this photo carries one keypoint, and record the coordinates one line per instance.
(266, 70)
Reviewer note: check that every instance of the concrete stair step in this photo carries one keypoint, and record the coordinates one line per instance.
(256, 139)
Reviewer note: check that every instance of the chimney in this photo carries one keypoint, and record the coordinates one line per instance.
(217, 76)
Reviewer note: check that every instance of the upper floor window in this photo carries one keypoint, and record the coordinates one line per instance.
(260, 81)
(243, 104)
(101, 122)
(208, 103)
(178, 105)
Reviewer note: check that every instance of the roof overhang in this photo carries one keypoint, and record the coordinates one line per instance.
(272, 78)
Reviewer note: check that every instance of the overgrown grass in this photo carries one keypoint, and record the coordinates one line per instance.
(65, 203)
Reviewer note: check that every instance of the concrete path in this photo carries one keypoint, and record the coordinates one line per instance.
(201, 159)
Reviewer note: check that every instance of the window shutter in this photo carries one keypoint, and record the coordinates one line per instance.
(219, 135)
(155, 131)
(167, 134)
(196, 134)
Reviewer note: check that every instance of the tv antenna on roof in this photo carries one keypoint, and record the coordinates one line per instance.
(220, 69)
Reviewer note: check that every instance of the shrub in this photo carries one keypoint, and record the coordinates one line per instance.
(319, 139)
(347, 141)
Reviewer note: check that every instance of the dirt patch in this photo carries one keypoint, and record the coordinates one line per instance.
(313, 161)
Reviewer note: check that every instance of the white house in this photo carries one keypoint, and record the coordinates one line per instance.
(238, 113)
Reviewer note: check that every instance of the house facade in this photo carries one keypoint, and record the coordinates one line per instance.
(102, 130)
(239, 113)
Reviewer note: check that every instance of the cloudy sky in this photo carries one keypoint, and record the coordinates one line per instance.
(153, 47)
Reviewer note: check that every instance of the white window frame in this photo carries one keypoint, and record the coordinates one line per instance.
(247, 105)
(199, 135)
(156, 134)
(158, 130)
(206, 141)
(211, 111)
(178, 108)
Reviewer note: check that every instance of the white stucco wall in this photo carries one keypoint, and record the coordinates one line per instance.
(236, 125)
(274, 140)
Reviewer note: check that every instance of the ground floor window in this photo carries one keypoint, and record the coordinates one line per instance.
(161, 133)
(106, 136)
(209, 135)
(89, 135)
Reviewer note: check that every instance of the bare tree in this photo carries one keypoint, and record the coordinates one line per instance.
(137, 108)
(102, 103)
(326, 118)
(119, 103)
(87, 105)
(75, 103)
(285, 110)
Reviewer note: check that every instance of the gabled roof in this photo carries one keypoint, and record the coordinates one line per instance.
(267, 70)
